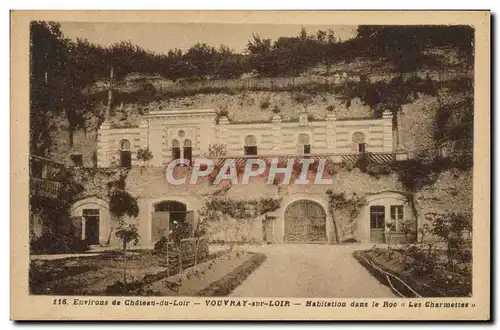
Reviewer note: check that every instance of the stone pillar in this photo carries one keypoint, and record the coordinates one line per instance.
(222, 137)
(331, 123)
(388, 136)
(103, 145)
(144, 133)
(399, 133)
(276, 132)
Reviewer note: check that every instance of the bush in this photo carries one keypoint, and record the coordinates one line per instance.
(422, 262)
(302, 98)
(350, 240)
(57, 243)
(264, 104)
(161, 244)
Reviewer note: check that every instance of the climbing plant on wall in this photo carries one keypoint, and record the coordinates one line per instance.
(225, 214)
(344, 210)
(239, 209)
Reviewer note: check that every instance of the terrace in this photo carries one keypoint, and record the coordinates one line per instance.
(347, 159)
(43, 176)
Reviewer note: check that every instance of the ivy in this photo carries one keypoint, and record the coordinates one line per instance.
(351, 206)
(242, 209)
(366, 165)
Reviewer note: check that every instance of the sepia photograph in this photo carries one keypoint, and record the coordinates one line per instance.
(298, 165)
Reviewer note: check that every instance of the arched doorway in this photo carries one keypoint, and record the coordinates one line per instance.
(90, 220)
(305, 222)
(168, 214)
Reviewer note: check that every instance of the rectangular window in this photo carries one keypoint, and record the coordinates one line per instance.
(307, 149)
(377, 217)
(362, 147)
(251, 151)
(397, 214)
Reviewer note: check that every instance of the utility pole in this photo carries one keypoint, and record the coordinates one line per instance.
(110, 95)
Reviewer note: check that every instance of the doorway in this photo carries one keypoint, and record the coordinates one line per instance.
(91, 218)
(305, 222)
(377, 224)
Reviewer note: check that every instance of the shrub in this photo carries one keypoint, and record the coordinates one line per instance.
(144, 155)
(217, 150)
(223, 113)
(161, 244)
(264, 104)
(450, 227)
(302, 98)
(422, 262)
(127, 234)
(350, 240)
(121, 203)
(57, 243)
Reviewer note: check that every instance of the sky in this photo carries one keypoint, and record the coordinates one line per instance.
(161, 37)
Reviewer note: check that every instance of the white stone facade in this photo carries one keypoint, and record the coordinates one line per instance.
(180, 133)
(200, 128)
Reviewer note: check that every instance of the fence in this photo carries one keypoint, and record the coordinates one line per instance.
(44, 187)
(189, 252)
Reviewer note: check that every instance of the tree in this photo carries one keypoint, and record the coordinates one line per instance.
(144, 155)
(48, 60)
(202, 59)
(450, 227)
(121, 203)
(127, 233)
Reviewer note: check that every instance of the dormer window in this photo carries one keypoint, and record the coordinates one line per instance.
(250, 145)
(358, 142)
(304, 144)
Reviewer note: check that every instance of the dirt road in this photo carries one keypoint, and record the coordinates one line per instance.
(318, 271)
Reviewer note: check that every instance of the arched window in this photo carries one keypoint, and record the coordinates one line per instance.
(125, 145)
(170, 206)
(176, 150)
(188, 150)
(358, 142)
(125, 154)
(250, 145)
(304, 144)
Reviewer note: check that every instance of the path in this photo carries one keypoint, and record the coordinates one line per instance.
(320, 271)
